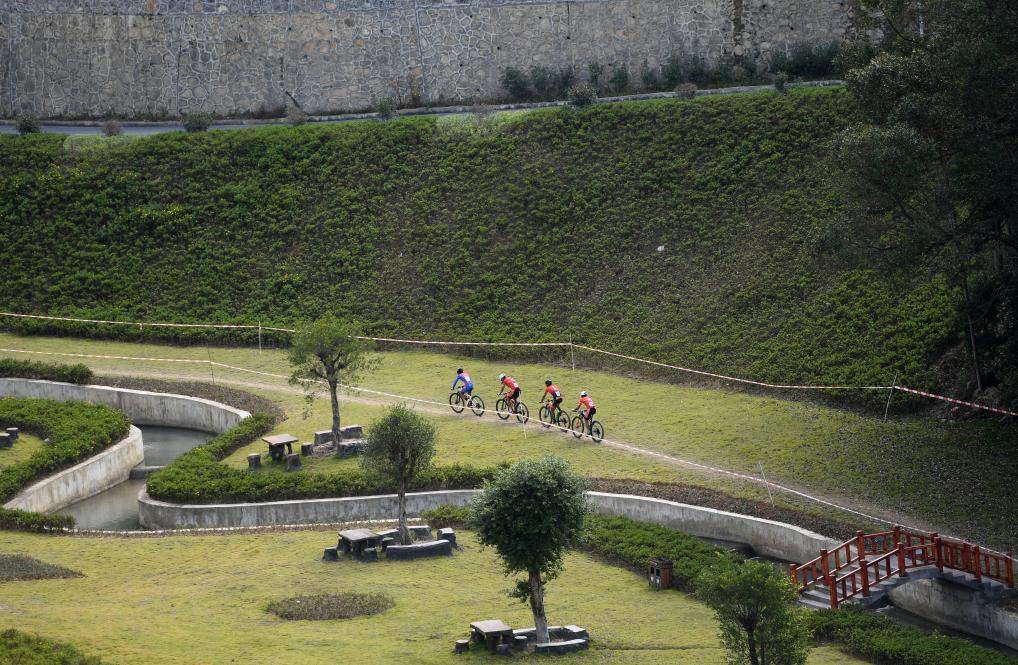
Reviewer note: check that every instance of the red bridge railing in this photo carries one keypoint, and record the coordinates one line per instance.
(852, 568)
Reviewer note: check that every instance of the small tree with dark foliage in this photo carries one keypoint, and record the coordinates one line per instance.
(529, 513)
(754, 604)
(400, 446)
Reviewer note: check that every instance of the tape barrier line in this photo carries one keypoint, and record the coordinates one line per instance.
(615, 444)
(571, 345)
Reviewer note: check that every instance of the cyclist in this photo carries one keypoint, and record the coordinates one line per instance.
(590, 409)
(468, 384)
(555, 395)
(511, 390)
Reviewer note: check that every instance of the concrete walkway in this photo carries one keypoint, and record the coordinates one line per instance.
(93, 127)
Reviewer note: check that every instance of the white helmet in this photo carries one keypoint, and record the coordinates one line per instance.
(501, 376)
(583, 393)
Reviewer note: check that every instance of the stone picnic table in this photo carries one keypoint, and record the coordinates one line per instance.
(492, 632)
(276, 444)
(355, 541)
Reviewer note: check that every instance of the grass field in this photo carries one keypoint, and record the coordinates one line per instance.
(22, 450)
(203, 599)
(941, 474)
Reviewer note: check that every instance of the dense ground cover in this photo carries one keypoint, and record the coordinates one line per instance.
(194, 604)
(541, 225)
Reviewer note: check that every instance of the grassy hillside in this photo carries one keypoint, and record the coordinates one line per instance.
(542, 225)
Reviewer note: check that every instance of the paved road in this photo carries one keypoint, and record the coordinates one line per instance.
(139, 130)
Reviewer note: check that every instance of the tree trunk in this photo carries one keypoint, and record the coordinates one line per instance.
(754, 659)
(333, 395)
(537, 606)
(404, 532)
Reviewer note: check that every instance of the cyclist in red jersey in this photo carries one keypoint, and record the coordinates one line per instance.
(587, 404)
(511, 389)
(550, 389)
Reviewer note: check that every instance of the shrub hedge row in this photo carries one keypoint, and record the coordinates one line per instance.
(28, 369)
(199, 477)
(24, 649)
(883, 640)
(21, 520)
(274, 224)
(76, 431)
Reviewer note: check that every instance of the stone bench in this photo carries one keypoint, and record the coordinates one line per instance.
(13, 432)
(348, 432)
(5, 440)
(418, 550)
(419, 531)
(565, 646)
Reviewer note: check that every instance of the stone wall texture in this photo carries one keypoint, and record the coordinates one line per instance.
(136, 58)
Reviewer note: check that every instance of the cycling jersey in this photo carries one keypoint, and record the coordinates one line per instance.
(468, 385)
(510, 384)
(587, 403)
(554, 392)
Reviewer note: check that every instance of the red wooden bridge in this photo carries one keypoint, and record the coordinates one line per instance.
(867, 566)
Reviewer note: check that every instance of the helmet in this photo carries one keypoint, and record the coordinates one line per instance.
(583, 393)
(459, 371)
(547, 382)
(501, 376)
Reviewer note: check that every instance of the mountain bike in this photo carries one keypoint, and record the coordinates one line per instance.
(458, 401)
(560, 418)
(503, 412)
(579, 426)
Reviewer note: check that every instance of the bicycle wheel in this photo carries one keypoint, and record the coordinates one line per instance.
(544, 415)
(562, 420)
(578, 426)
(501, 410)
(476, 405)
(456, 402)
(522, 412)
(596, 431)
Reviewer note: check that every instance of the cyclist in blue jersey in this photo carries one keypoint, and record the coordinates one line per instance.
(468, 384)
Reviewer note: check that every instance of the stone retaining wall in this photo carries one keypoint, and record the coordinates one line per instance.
(110, 467)
(140, 406)
(957, 607)
(774, 539)
(138, 58)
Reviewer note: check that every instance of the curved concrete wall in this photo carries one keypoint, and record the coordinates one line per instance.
(110, 467)
(957, 607)
(774, 539)
(141, 406)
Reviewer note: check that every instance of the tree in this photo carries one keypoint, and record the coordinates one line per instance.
(400, 446)
(754, 604)
(329, 350)
(529, 513)
(934, 161)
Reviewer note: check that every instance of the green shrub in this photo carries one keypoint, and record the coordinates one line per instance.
(781, 83)
(28, 125)
(686, 90)
(112, 128)
(21, 648)
(582, 95)
(543, 80)
(564, 80)
(197, 121)
(386, 108)
(76, 430)
(331, 606)
(595, 72)
(882, 640)
(446, 516)
(28, 369)
(296, 115)
(853, 55)
(516, 83)
(649, 77)
(619, 81)
(806, 59)
(633, 543)
(21, 520)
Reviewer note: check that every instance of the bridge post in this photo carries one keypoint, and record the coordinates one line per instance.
(793, 570)
(937, 554)
(1009, 569)
(901, 561)
(865, 569)
(860, 545)
(977, 564)
(834, 595)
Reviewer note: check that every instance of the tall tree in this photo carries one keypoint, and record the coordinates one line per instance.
(529, 513)
(934, 161)
(754, 604)
(329, 350)
(400, 446)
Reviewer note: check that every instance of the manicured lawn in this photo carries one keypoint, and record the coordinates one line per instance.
(202, 600)
(945, 475)
(23, 448)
